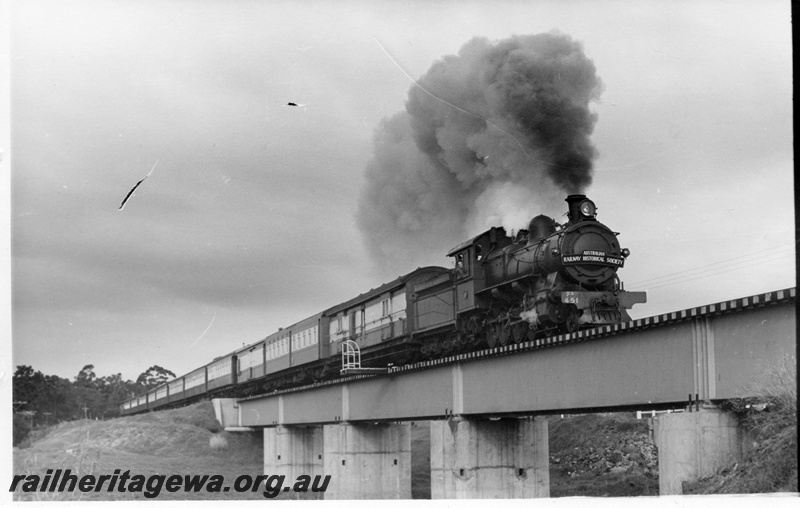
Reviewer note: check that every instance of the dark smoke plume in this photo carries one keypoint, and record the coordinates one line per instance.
(491, 136)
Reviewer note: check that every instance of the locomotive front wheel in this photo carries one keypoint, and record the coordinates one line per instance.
(571, 323)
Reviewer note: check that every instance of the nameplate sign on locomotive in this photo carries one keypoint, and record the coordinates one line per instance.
(593, 256)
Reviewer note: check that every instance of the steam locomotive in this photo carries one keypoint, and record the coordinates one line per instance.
(551, 278)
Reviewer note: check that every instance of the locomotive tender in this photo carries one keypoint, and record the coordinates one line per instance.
(550, 278)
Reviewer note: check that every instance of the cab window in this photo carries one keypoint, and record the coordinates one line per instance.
(463, 260)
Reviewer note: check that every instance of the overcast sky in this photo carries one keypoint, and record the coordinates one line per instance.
(248, 219)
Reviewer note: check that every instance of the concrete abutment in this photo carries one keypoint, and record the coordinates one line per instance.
(694, 445)
(226, 411)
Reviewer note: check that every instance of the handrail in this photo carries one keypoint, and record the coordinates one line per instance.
(351, 355)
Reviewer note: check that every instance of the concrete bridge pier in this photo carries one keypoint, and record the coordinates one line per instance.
(294, 451)
(368, 461)
(694, 445)
(507, 458)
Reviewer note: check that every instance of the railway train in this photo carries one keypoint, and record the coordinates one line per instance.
(551, 278)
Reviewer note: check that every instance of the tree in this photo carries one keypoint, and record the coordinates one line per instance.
(60, 399)
(100, 397)
(51, 399)
(33, 391)
(154, 376)
(25, 385)
(86, 377)
(116, 391)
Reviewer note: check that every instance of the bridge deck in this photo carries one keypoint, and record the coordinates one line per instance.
(715, 351)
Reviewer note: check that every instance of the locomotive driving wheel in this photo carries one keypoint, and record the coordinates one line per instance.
(504, 334)
(519, 332)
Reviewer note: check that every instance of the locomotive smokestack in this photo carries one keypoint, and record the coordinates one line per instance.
(574, 203)
(580, 208)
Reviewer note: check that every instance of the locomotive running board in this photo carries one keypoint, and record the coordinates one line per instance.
(585, 299)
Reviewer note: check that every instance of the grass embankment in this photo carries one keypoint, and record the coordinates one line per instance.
(770, 421)
(166, 442)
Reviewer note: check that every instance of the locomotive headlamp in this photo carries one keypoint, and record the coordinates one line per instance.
(626, 253)
(587, 208)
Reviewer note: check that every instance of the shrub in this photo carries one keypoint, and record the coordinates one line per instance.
(774, 408)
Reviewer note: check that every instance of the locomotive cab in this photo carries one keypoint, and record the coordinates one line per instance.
(468, 267)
